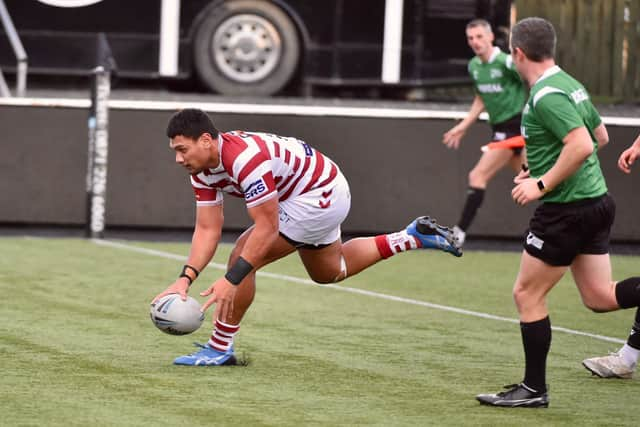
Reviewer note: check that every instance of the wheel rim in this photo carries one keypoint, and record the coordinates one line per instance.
(246, 48)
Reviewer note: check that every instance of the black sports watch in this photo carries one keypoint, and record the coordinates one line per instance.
(541, 186)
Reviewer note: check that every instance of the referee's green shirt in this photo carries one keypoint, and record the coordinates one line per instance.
(557, 104)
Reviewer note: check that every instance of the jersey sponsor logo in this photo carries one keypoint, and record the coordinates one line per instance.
(495, 73)
(255, 189)
(308, 151)
(579, 96)
(535, 241)
(490, 88)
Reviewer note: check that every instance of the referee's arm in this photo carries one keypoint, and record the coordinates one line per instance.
(602, 136)
(578, 145)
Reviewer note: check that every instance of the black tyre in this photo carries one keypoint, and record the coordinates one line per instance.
(246, 47)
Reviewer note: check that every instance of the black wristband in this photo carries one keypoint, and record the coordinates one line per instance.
(238, 271)
(184, 273)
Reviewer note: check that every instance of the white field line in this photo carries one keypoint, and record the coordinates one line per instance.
(302, 281)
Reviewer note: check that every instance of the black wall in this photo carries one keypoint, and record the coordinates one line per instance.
(397, 168)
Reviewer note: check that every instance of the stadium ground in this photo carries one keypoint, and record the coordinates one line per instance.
(410, 342)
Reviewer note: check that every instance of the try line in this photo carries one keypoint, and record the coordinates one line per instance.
(303, 281)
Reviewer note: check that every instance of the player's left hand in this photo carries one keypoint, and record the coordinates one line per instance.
(525, 191)
(222, 295)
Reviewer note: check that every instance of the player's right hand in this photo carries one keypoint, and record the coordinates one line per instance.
(452, 138)
(180, 286)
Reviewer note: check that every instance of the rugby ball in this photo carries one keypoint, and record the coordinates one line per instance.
(174, 316)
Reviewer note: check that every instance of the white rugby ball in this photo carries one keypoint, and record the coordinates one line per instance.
(174, 316)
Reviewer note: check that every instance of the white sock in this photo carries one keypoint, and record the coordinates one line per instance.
(629, 355)
(401, 242)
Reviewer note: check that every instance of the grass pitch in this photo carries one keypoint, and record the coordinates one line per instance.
(77, 347)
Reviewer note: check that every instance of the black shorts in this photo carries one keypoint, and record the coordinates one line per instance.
(507, 129)
(558, 232)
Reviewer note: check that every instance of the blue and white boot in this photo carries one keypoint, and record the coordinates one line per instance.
(207, 356)
(434, 236)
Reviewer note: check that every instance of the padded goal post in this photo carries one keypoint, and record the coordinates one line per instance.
(98, 141)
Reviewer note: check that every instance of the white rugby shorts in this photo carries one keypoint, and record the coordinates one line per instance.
(315, 216)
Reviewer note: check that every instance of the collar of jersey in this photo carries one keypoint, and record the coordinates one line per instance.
(494, 54)
(220, 167)
(549, 72)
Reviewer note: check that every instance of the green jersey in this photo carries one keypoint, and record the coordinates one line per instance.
(499, 85)
(557, 104)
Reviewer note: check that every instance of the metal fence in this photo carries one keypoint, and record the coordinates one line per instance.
(598, 42)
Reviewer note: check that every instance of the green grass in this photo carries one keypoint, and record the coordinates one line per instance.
(77, 347)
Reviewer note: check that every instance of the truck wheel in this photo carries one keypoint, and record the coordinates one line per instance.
(246, 47)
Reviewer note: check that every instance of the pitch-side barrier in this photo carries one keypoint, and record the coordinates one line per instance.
(393, 157)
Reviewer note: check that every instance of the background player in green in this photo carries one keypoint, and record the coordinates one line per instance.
(501, 93)
(563, 132)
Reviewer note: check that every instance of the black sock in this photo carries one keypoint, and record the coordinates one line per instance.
(634, 336)
(536, 339)
(628, 292)
(628, 295)
(475, 196)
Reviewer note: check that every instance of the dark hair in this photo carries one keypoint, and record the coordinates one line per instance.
(536, 37)
(191, 123)
(479, 22)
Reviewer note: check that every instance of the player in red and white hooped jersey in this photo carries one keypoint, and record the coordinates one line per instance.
(297, 198)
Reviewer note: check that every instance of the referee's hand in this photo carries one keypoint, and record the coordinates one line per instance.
(525, 191)
(522, 175)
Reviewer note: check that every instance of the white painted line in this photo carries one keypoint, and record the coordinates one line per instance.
(273, 109)
(302, 281)
(392, 42)
(169, 38)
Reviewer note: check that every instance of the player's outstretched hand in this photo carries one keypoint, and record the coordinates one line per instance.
(180, 286)
(452, 138)
(627, 158)
(222, 295)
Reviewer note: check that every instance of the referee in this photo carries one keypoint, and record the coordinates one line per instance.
(563, 132)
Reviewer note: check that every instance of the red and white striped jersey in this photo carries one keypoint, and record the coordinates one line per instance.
(258, 166)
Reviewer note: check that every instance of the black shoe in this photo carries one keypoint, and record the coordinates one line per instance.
(518, 396)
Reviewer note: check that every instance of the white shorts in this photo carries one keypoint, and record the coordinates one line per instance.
(314, 217)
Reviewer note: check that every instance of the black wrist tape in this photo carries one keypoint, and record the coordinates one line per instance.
(184, 273)
(238, 271)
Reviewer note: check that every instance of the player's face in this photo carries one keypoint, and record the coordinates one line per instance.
(480, 40)
(192, 154)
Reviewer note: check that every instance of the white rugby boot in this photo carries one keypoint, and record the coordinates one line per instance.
(611, 366)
